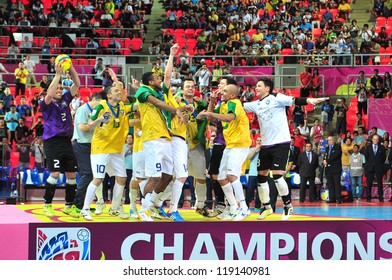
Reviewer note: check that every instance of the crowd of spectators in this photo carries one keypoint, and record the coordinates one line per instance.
(259, 29)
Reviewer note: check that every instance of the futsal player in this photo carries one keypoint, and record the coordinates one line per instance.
(275, 140)
(58, 130)
(236, 132)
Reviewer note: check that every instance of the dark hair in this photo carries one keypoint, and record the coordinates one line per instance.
(186, 80)
(147, 77)
(356, 145)
(97, 95)
(267, 82)
(105, 92)
(229, 80)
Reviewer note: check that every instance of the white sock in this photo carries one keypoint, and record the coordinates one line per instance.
(152, 198)
(162, 196)
(239, 193)
(263, 189)
(99, 194)
(132, 196)
(118, 191)
(229, 193)
(146, 202)
(201, 194)
(90, 193)
(176, 195)
(142, 184)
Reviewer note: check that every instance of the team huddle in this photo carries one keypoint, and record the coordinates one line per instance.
(169, 146)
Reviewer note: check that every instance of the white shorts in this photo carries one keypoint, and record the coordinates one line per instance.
(197, 163)
(113, 164)
(232, 162)
(138, 165)
(158, 157)
(180, 157)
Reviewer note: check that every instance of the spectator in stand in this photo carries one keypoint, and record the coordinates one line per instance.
(22, 107)
(327, 111)
(344, 10)
(374, 79)
(248, 94)
(57, 9)
(23, 147)
(106, 78)
(38, 127)
(358, 122)
(68, 16)
(316, 83)
(34, 103)
(5, 96)
(374, 49)
(21, 131)
(316, 132)
(12, 53)
(378, 9)
(154, 48)
(25, 46)
(4, 146)
(30, 66)
(4, 131)
(204, 76)
(299, 140)
(2, 68)
(304, 131)
(366, 35)
(184, 68)
(379, 91)
(29, 119)
(305, 79)
(67, 83)
(21, 75)
(341, 119)
(44, 83)
(361, 137)
(298, 115)
(347, 150)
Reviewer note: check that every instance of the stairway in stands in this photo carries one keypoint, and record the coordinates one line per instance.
(154, 24)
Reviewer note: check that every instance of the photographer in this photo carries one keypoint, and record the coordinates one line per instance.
(204, 76)
(107, 79)
(21, 74)
(341, 120)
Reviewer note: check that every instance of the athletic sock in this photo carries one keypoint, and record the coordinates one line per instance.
(229, 193)
(90, 193)
(219, 194)
(201, 194)
(239, 193)
(70, 192)
(176, 195)
(118, 191)
(99, 194)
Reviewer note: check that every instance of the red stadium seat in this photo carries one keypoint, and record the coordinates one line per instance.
(84, 92)
(388, 50)
(179, 33)
(316, 32)
(136, 44)
(189, 33)
(287, 51)
(385, 60)
(381, 21)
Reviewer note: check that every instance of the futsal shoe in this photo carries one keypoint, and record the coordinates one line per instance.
(232, 213)
(264, 213)
(242, 214)
(223, 214)
(203, 211)
(133, 211)
(72, 211)
(145, 215)
(175, 216)
(219, 209)
(119, 213)
(99, 207)
(287, 212)
(161, 212)
(86, 214)
(48, 211)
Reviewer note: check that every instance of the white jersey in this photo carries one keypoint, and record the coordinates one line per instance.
(271, 113)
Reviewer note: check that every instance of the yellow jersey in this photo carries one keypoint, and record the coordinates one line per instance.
(110, 138)
(177, 128)
(236, 132)
(152, 119)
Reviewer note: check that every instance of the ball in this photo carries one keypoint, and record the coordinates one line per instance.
(64, 61)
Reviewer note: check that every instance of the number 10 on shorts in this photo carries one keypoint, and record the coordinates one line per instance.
(101, 169)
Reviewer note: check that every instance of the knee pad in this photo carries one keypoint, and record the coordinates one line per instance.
(277, 177)
(262, 179)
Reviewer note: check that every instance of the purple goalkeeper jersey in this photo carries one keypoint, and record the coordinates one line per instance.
(219, 139)
(57, 117)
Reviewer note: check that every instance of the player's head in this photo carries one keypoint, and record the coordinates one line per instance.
(188, 88)
(153, 80)
(264, 87)
(95, 99)
(129, 139)
(224, 81)
(230, 92)
(114, 93)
